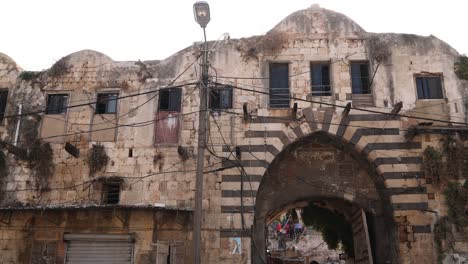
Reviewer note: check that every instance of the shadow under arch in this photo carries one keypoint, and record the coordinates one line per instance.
(285, 182)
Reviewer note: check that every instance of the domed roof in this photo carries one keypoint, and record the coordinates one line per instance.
(319, 21)
(7, 61)
(90, 57)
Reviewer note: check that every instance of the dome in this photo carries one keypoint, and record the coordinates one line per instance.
(319, 21)
(89, 57)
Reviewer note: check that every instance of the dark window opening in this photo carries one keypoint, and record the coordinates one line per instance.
(130, 153)
(107, 103)
(429, 87)
(169, 99)
(57, 104)
(360, 78)
(320, 79)
(3, 103)
(279, 85)
(221, 98)
(111, 192)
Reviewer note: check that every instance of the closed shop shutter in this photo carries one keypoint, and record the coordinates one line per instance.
(99, 248)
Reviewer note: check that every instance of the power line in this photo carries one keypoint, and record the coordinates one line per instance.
(413, 111)
(341, 106)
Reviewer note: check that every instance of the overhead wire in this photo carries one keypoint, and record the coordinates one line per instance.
(352, 107)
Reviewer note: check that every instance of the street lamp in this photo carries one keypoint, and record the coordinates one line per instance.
(201, 11)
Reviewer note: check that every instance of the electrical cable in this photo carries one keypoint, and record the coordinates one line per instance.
(355, 108)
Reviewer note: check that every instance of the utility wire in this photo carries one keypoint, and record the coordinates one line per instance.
(341, 106)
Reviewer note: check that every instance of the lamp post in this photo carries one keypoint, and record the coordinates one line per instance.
(201, 11)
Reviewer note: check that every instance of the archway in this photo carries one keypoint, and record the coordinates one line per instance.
(324, 168)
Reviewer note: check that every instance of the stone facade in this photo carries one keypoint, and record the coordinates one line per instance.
(150, 141)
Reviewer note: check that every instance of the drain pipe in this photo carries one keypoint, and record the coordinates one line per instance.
(20, 110)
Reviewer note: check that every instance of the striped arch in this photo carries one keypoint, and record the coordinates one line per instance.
(376, 139)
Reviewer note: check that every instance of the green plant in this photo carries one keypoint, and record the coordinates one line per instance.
(97, 159)
(456, 196)
(432, 162)
(443, 232)
(334, 227)
(30, 75)
(456, 159)
(461, 67)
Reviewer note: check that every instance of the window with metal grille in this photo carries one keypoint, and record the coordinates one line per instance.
(3, 103)
(429, 87)
(111, 192)
(107, 103)
(360, 77)
(279, 85)
(221, 97)
(320, 79)
(57, 104)
(169, 99)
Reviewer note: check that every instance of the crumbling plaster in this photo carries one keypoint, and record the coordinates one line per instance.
(313, 34)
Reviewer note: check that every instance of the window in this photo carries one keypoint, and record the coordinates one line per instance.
(57, 104)
(3, 103)
(167, 118)
(429, 87)
(107, 103)
(221, 98)
(279, 85)
(360, 78)
(111, 192)
(169, 100)
(320, 79)
(170, 252)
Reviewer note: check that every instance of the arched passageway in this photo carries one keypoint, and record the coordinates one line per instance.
(324, 168)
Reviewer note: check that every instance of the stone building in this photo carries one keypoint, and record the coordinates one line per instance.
(98, 155)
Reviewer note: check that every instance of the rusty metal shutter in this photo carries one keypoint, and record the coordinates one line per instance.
(99, 248)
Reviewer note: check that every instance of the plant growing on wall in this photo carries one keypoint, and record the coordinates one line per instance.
(457, 201)
(334, 227)
(456, 196)
(97, 159)
(59, 68)
(432, 162)
(30, 75)
(461, 67)
(40, 161)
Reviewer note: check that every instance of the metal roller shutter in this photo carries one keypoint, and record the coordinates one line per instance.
(92, 248)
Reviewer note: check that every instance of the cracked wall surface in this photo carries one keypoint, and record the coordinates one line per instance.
(156, 174)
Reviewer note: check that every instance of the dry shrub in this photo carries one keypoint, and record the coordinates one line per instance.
(59, 69)
(269, 44)
(97, 159)
(40, 161)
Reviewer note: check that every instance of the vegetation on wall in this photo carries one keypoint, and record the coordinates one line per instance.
(450, 163)
(30, 75)
(334, 227)
(432, 162)
(456, 196)
(97, 159)
(457, 201)
(461, 67)
(40, 161)
(59, 68)
(271, 43)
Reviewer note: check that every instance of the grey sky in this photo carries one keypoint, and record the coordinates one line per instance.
(37, 33)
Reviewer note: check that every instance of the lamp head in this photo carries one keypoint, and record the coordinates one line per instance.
(201, 11)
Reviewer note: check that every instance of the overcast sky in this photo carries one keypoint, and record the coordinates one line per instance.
(36, 33)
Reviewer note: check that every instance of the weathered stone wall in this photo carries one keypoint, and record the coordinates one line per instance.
(158, 174)
(37, 237)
